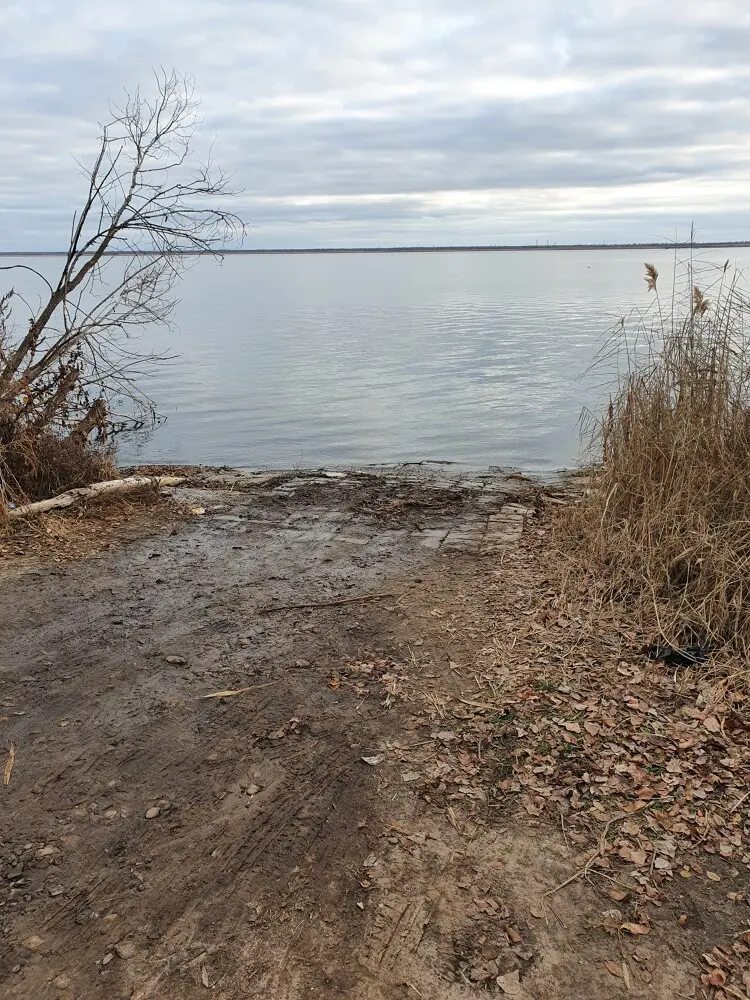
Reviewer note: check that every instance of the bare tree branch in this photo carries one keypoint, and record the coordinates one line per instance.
(146, 198)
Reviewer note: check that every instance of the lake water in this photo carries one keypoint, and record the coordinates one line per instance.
(475, 358)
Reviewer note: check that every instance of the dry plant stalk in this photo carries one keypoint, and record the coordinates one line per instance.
(667, 527)
(9, 762)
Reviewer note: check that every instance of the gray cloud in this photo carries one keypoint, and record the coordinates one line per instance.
(402, 121)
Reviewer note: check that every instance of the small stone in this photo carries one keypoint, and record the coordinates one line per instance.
(177, 661)
(125, 949)
(108, 958)
(153, 812)
(46, 852)
(111, 814)
(56, 890)
(62, 982)
(33, 943)
(510, 983)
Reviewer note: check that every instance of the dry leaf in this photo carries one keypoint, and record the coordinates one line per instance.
(617, 895)
(204, 976)
(510, 983)
(716, 977)
(537, 911)
(197, 510)
(713, 876)
(626, 974)
(635, 928)
(614, 968)
(513, 936)
(10, 760)
(636, 856)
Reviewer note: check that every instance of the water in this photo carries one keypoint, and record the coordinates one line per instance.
(351, 359)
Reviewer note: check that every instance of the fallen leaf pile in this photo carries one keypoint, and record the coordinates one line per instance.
(568, 720)
(364, 677)
(727, 969)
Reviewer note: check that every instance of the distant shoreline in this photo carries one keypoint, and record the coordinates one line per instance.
(504, 248)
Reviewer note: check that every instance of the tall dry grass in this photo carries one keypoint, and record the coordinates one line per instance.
(667, 524)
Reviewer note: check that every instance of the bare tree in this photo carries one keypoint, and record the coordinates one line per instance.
(147, 205)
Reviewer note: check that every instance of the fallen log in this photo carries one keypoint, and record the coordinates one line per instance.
(95, 490)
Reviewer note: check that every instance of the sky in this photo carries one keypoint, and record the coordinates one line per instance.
(401, 122)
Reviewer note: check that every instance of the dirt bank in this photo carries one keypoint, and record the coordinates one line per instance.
(327, 832)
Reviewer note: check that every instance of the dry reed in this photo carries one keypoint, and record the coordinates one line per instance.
(666, 526)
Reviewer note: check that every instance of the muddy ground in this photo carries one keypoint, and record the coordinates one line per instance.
(156, 843)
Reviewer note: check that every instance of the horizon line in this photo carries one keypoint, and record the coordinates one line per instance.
(450, 248)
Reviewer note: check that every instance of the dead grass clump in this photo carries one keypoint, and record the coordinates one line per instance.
(667, 525)
(40, 466)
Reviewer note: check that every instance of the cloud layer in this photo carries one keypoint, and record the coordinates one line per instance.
(402, 121)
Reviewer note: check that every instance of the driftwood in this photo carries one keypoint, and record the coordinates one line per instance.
(95, 490)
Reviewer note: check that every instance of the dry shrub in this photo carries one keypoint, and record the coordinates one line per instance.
(46, 464)
(667, 525)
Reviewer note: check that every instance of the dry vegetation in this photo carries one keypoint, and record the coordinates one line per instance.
(91, 527)
(665, 526)
(66, 372)
(555, 718)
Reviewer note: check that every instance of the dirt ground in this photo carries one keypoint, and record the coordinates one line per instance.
(302, 836)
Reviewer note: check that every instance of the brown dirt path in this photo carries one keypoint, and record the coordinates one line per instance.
(154, 844)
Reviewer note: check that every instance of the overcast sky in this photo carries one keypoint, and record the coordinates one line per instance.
(366, 122)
